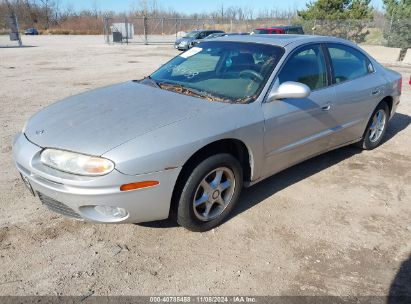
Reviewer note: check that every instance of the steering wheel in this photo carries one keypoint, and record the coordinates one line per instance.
(254, 75)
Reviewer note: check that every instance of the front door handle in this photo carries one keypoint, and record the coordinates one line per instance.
(376, 92)
(326, 108)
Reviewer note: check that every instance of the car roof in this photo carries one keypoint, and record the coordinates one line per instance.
(284, 27)
(217, 31)
(282, 40)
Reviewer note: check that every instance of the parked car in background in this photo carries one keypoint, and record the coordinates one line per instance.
(217, 35)
(182, 142)
(31, 31)
(289, 29)
(185, 42)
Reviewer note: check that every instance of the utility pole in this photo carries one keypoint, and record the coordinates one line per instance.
(13, 24)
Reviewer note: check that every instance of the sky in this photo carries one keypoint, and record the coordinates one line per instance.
(195, 6)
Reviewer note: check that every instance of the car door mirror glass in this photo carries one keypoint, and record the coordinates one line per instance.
(289, 89)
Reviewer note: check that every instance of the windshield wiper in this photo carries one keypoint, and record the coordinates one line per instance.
(176, 87)
(148, 81)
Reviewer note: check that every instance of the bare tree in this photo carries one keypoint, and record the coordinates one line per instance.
(46, 5)
(95, 7)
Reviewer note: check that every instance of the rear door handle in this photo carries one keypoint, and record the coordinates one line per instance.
(326, 108)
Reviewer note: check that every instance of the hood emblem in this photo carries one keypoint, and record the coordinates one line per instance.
(39, 132)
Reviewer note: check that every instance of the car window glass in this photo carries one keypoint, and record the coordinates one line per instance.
(348, 63)
(293, 31)
(307, 66)
(234, 71)
(193, 34)
(201, 63)
(261, 31)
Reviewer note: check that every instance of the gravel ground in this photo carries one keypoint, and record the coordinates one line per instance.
(339, 224)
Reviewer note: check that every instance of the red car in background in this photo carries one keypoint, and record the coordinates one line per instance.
(289, 29)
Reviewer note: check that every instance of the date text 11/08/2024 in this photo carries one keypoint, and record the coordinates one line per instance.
(201, 299)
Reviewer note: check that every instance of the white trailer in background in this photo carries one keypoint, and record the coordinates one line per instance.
(126, 30)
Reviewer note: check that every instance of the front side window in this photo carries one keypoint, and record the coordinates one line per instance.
(202, 35)
(306, 65)
(348, 63)
(220, 71)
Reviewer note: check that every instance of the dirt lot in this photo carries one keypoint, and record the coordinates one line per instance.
(338, 224)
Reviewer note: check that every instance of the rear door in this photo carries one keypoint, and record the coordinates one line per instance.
(358, 91)
(296, 129)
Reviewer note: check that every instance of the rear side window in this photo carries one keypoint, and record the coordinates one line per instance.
(306, 65)
(348, 63)
(294, 30)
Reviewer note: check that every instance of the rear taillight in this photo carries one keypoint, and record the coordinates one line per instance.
(409, 81)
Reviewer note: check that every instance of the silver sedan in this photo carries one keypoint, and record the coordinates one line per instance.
(184, 141)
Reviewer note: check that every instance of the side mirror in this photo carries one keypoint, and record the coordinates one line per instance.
(290, 89)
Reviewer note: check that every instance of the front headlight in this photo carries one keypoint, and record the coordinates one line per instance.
(76, 163)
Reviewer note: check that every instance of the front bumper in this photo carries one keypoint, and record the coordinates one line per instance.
(76, 196)
(181, 47)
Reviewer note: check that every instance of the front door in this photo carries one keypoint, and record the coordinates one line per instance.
(296, 129)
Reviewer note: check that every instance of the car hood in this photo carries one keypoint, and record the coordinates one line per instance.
(97, 121)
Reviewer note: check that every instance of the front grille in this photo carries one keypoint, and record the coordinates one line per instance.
(58, 207)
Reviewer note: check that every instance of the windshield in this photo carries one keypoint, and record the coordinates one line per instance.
(191, 34)
(220, 71)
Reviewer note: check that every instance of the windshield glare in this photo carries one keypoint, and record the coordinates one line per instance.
(222, 71)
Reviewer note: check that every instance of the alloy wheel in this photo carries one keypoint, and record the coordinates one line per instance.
(214, 194)
(377, 125)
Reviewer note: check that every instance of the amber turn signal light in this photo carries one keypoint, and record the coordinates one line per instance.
(138, 185)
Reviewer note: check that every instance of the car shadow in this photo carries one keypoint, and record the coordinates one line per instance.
(397, 123)
(400, 289)
(167, 223)
(16, 46)
(259, 192)
(266, 188)
(284, 179)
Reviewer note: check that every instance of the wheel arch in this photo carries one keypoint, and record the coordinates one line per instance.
(233, 146)
(389, 100)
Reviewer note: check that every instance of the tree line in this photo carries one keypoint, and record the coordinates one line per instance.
(345, 18)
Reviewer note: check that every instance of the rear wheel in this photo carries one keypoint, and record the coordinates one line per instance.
(210, 193)
(376, 128)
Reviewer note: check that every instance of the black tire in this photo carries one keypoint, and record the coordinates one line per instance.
(186, 215)
(366, 143)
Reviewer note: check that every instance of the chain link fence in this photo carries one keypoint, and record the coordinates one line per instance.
(166, 30)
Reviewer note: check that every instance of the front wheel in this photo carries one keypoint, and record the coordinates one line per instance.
(210, 193)
(376, 128)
